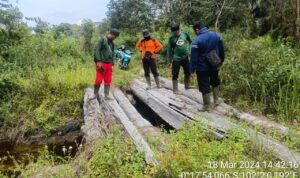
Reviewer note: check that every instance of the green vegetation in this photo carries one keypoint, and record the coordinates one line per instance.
(43, 77)
(265, 73)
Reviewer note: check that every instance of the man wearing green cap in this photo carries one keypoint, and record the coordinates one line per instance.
(104, 60)
(178, 54)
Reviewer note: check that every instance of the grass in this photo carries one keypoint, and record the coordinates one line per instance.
(46, 94)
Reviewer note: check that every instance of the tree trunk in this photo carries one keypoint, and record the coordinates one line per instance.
(298, 18)
(218, 17)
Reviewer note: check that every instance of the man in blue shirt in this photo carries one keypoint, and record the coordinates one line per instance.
(207, 75)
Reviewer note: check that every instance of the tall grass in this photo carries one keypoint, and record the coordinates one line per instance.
(263, 72)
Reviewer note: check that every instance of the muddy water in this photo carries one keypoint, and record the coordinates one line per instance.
(23, 153)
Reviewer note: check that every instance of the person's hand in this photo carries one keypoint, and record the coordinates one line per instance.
(99, 65)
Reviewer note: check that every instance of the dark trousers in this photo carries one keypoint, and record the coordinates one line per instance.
(205, 79)
(150, 65)
(185, 63)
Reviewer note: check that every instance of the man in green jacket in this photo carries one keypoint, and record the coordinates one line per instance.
(104, 59)
(178, 54)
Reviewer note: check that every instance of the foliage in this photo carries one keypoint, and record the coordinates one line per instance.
(12, 28)
(47, 165)
(87, 33)
(63, 29)
(277, 17)
(263, 71)
(116, 157)
(124, 13)
(48, 76)
(193, 148)
(41, 26)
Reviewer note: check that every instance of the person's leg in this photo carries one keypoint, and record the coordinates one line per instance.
(98, 81)
(153, 67)
(175, 73)
(204, 87)
(107, 80)
(187, 74)
(215, 83)
(146, 66)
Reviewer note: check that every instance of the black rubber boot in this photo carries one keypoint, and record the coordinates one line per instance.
(206, 103)
(187, 83)
(216, 91)
(106, 93)
(148, 80)
(96, 93)
(175, 87)
(157, 82)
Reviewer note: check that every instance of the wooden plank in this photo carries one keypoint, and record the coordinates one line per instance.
(162, 110)
(217, 121)
(168, 113)
(113, 108)
(229, 110)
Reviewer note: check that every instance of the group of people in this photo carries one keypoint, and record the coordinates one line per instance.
(206, 54)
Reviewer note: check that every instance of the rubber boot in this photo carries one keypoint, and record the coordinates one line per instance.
(96, 93)
(148, 80)
(157, 81)
(106, 93)
(206, 103)
(216, 91)
(175, 87)
(187, 83)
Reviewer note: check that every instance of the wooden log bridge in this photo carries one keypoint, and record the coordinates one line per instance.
(177, 110)
(111, 108)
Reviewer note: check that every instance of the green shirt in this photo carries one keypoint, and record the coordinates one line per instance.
(178, 47)
(104, 51)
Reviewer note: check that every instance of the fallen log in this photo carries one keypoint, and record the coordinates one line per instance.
(135, 117)
(215, 120)
(114, 109)
(95, 126)
(92, 128)
(229, 110)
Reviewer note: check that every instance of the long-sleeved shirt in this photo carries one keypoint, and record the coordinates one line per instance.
(205, 42)
(104, 51)
(178, 47)
(151, 45)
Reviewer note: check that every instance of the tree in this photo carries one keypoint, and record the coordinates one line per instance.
(130, 15)
(298, 18)
(87, 30)
(63, 28)
(41, 26)
(12, 27)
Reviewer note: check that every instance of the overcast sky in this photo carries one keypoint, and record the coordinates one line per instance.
(70, 11)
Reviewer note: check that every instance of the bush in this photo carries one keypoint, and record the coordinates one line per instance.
(262, 71)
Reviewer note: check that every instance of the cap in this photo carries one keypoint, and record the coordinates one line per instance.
(115, 32)
(175, 27)
(146, 33)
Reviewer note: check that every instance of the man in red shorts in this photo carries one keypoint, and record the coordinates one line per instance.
(103, 58)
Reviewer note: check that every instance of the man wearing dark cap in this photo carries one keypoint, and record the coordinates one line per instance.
(207, 56)
(178, 54)
(149, 47)
(103, 58)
